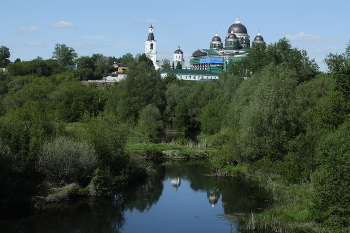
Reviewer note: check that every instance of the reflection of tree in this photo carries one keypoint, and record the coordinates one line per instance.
(142, 197)
(87, 215)
(243, 196)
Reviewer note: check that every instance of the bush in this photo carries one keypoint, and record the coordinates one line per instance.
(66, 160)
(332, 179)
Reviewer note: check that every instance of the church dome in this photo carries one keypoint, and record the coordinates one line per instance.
(178, 51)
(237, 27)
(258, 38)
(216, 38)
(231, 36)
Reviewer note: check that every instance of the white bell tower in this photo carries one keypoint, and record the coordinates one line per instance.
(151, 47)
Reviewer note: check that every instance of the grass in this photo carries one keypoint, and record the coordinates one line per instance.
(176, 148)
(289, 211)
(236, 170)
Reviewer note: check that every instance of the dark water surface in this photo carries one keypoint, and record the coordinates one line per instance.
(178, 197)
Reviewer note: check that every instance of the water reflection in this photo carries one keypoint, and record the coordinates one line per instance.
(175, 193)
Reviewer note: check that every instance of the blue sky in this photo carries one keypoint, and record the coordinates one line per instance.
(114, 28)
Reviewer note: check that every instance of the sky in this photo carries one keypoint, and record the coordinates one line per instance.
(113, 28)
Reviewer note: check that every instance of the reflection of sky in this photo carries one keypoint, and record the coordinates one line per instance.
(181, 210)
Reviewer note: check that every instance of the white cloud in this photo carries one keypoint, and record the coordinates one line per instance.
(311, 38)
(34, 44)
(26, 30)
(62, 24)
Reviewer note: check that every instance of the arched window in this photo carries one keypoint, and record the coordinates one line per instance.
(151, 46)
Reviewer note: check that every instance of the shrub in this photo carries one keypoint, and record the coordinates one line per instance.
(66, 160)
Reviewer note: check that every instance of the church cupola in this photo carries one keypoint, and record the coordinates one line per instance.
(231, 41)
(259, 39)
(178, 55)
(216, 43)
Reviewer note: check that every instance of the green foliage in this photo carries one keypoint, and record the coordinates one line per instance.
(6, 162)
(66, 160)
(331, 111)
(142, 86)
(151, 124)
(170, 78)
(227, 152)
(178, 66)
(300, 162)
(166, 64)
(71, 100)
(108, 137)
(262, 105)
(307, 96)
(23, 131)
(36, 67)
(339, 69)
(213, 115)
(281, 52)
(332, 179)
(4, 56)
(152, 153)
(182, 122)
(64, 54)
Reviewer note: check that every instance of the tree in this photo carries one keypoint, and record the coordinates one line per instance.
(277, 53)
(262, 105)
(178, 66)
(142, 86)
(331, 179)
(150, 123)
(339, 69)
(166, 64)
(103, 66)
(4, 56)
(64, 55)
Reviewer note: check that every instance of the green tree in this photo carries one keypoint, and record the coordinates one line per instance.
(166, 64)
(281, 52)
(182, 122)
(339, 69)
(71, 100)
(4, 56)
(151, 124)
(66, 159)
(178, 66)
(142, 86)
(213, 115)
(126, 59)
(64, 54)
(262, 105)
(102, 66)
(331, 180)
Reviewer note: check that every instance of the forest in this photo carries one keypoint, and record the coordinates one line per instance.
(274, 114)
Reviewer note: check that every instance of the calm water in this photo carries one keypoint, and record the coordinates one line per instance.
(178, 197)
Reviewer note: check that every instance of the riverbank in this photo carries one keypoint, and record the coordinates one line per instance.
(290, 205)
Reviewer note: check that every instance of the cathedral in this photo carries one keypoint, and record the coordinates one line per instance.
(217, 57)
(234, 48)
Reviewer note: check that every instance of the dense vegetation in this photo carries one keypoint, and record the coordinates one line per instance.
(273, 113)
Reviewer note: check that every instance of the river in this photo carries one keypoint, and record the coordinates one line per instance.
(177, 197)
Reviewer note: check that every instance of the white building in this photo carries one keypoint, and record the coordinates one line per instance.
(151, 47)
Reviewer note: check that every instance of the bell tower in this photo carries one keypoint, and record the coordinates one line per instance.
(151, 46)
